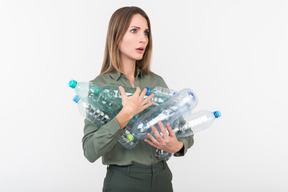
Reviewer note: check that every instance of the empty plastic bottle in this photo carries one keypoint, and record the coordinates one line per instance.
(162, 155)
(93, 113)
(161, 94)
(83, 89)
(161, 90)
(126, 140)
(110, 96)
(98, 117)
(181, 104)
(192, 124)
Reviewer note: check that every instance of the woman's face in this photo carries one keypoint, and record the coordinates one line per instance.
(135, 40)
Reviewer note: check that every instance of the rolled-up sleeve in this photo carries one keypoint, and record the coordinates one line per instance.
(188, 142)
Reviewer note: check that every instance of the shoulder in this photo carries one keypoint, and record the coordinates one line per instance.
(155, 79)
(102, 79)
(153, 75)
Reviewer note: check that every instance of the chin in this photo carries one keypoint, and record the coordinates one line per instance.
(139, 58)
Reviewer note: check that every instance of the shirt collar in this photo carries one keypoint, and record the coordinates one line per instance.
(138, 72)
(116, 75)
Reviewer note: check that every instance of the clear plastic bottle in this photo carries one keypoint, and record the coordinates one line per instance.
(110, 96)
(191, 124)
(161, 90)
(99, 117)
(127, 141)
(162, 155)
(194, 123)
(83, 89)
(161, 94)
(181, 104)
(93, 113)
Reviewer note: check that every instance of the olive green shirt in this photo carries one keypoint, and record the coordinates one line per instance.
(103, 141)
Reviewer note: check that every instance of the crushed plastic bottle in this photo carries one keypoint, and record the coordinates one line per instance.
(181, 104)
(191, 124)
(161, 94)
(195, 122)
(98, 117)
(110, 96)
(126, 140)
(93, 113)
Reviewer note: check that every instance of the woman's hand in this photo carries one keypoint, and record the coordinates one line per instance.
(135, 103)
(132, 105)
(168, 143)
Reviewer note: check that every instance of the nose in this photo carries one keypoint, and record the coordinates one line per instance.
(143, 38)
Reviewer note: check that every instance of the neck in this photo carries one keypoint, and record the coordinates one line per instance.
(128, 68)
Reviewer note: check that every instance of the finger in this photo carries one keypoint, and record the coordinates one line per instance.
(148, 98)
(163, 130)
(170, 130)
(137, 92)
(152, 138)
(148, 105)
(143, 93)
(156, 133)
(150, 143)
(122, 91)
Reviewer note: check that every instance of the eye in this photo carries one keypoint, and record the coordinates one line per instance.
(146, 33)
(133, 30)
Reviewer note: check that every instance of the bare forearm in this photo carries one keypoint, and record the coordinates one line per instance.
(123, 118)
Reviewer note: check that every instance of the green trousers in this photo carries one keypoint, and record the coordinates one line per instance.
(138, 178)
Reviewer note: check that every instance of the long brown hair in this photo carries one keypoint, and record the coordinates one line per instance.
(118, 25)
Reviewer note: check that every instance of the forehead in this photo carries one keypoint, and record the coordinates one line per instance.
(139, 21)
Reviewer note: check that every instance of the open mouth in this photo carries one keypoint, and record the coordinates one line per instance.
(140, 50)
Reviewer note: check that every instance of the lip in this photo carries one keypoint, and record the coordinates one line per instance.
(140, 49)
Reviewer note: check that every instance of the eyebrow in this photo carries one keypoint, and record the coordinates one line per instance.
(138, 27)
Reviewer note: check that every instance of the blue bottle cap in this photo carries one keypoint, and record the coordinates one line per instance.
(217, 114)
(96, 91)
(72, 84)
(148, 92)
(76, 99)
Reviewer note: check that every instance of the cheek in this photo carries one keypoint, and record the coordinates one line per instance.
(129, 38)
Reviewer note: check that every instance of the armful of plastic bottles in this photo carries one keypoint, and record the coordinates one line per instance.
(100, 104)
(172, 106)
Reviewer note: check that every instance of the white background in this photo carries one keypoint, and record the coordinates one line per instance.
(230, 52)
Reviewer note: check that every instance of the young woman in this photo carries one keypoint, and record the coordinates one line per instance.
(127, 63)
